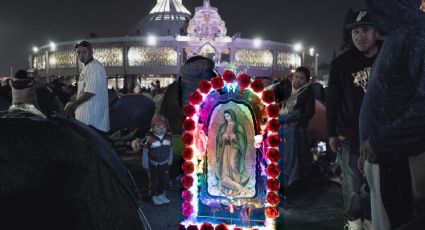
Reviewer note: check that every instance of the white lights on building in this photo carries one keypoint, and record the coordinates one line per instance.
(151, 41)
(35, 49)
(298, 47)
(257, 42)
(311, 51)
(52, 46)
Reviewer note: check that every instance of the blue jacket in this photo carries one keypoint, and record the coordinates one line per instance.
(392, 115)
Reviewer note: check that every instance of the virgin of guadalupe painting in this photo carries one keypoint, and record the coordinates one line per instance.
(231, 145)
(231, 156)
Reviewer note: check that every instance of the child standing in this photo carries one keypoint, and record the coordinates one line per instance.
(157, 158)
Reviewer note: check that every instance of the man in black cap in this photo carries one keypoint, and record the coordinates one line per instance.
(347, 86)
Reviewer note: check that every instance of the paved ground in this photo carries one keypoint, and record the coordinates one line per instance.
(315, 204)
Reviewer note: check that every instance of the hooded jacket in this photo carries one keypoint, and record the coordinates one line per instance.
(392, 115)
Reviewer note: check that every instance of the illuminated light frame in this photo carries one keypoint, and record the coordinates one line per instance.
(190, 203)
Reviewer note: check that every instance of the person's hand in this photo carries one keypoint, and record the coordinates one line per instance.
(70, 107)
(368, 153)
(136, 144)
(334, 144)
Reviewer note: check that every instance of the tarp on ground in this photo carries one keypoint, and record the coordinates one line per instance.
(59, 174)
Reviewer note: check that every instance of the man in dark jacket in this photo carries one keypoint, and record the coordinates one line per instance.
(347, 84)
(392, 117)
(297, 109)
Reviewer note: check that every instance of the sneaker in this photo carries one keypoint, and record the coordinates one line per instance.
(156, 200)
(367, 224)
(163, 199)
(354, 225)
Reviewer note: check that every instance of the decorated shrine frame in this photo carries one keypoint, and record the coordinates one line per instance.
(231, 155)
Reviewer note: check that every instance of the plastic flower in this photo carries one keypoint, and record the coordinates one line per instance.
(217, 82)
(204, 86)
(257, 85)
(189, 110)
(195, 98)
(229, 76)
(268, 96)
(273, 110)
(274, 140)
(188, 167)
(187, 181)
(187, 195)
(273, 184)
(188, 125)
(187, 138)
(243, 81)
(272, 212)
(273, 125)
(273, 170)
(273, 155)
(273, 198)
(187, 153)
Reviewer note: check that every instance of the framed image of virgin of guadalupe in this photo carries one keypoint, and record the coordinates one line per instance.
(228, 138)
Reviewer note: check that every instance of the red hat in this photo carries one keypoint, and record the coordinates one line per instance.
(159, 119)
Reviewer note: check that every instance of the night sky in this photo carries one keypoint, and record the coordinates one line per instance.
(24, 24)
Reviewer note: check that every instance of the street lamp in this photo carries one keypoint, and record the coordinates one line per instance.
(35, 49)
(257, 42)
(298, 47)
(311, 51)
(52, 46)
(151, 40)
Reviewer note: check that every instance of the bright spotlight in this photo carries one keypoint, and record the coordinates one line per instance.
(311, 51)
(151, 40)
(52, 46)
(35, 49)
(257, 42)
(298, 47)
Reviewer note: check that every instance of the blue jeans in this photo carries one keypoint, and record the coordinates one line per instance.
(356, 199)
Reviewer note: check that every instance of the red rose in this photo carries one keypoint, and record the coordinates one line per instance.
(204, 86)
(187, 153)
(182, 227)
(207, 226)
(274, 140)
(237, 229)
(192, 227)
(273, 110)
(273, 155)
(188, 125)
(217, 82)
(229, 76)
(187, 181)
(273, 170)
(187, 208)
(272, 125)
(257, 86)
(272, 212)
(187, 195)
(188, 167)
(273, 198)
(273, 184)
(187, 138)
(195, 98)
(189, 110)
(268, 96)
(221, 227)
(243, 81)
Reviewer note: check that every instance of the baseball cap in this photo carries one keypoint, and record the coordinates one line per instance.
(359, 18)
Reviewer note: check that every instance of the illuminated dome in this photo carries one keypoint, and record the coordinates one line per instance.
(168, 17)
